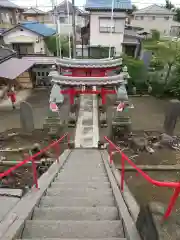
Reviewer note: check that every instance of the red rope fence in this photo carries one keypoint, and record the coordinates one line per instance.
(175, 185)
(54, 145)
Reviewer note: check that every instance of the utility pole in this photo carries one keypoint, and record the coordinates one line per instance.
(54, 15)
(74, 28)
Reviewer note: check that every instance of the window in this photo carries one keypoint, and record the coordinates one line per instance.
(166, 18)
(106, 25)
(142, 18)
(62, 19)
(136, 18)
(153, 17)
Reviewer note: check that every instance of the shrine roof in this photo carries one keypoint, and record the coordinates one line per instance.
(88, 81)
(89, 63)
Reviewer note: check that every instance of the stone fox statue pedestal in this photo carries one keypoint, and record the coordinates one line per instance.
(171, 115)
(121, 123)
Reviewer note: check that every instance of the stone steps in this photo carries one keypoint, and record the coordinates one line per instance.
(76, 202)
(81, 185)
(78, 193)
(76, 213)
(79, 204)
(73, 229)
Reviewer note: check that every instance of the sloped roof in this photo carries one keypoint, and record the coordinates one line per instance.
(107, 4)
(62, 8)
(8, 4)
(33, 11)
(36, 27)
(154, 9)
(6, 53)
(39, 28)
(13, 67)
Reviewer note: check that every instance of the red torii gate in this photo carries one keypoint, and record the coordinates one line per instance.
(73, 92)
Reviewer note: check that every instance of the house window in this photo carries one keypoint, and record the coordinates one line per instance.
(142, 18)
(105, 25)
(136, 18)
(153, 17)
(62, 19)
(166, 18)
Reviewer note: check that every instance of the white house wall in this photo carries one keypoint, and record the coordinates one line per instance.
(65, 27)
(105, 39)
(159, 23)
(25, 36)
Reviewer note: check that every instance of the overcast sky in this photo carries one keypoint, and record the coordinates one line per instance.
(46, 4)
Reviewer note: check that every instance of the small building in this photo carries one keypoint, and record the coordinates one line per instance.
(10, 14)
(34, 14)
(61, 11)
(104, 31)
(28, 38)
(156, 17)
(14, 71)
(132, 43)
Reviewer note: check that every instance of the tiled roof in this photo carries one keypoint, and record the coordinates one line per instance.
(8, 4)
(107, 4)
(39, 28)
(62, 8)
(33, 11)
(154, 9)
(88, 81)
(90, 63)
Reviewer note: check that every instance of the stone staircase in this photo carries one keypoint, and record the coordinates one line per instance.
(80, 203)
(87, 133)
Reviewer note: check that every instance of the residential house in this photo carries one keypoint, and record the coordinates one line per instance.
(131, 44)
(14, 71)
(156, 17)
(10, 14)
(61, 12)
(34, 14)
(28, 38)
(105, 31)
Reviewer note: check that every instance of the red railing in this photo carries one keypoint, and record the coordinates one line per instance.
(175, 185)
(33, 157)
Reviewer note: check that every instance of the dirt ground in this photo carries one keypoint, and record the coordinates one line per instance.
(148, 115)
(10, 123)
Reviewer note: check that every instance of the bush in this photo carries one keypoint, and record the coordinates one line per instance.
(137, 72)
(155, 34)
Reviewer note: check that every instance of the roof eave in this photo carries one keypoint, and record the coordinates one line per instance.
(26, 29)
(15, 7)
(92, 9)
(8, 57)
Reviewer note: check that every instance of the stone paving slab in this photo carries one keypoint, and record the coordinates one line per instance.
(11, 192)
(7, 203)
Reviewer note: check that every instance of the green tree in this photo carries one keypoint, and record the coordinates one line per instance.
(169, 5)
(177, 16)
(137, 72)
(52, 45)
(165, 53)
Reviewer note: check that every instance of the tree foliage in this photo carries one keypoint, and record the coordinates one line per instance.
(172, 7)
(155, 34)
(137, 72)
(169, 5)
(52, 44)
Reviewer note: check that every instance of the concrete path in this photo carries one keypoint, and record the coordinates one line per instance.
(87, 132)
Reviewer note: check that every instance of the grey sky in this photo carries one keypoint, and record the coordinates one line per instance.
(46, 4)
